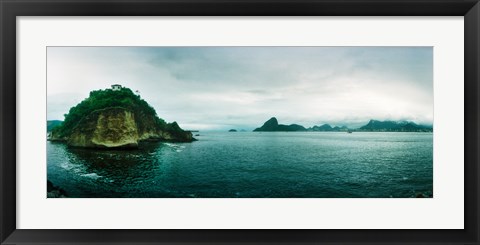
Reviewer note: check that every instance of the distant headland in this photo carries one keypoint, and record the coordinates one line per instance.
(272, 125)
(114, 118)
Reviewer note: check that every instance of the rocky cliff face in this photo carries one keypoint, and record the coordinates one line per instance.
(115, 119)
(118, 127)
(107, 128)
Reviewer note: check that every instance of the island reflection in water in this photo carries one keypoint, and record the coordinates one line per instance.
(249, 164)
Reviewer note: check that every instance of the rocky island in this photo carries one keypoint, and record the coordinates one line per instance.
(394, 126)
(372, 126)
(115, 118)
(328, 128)
(272, 126)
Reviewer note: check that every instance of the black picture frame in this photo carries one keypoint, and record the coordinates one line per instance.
(10, 9)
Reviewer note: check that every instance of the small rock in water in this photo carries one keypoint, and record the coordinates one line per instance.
(54, 191)
(420, 195)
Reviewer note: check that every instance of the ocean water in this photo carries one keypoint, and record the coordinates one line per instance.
(252, 165)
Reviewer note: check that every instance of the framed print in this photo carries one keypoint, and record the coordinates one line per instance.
(104, 147)
(239, 122)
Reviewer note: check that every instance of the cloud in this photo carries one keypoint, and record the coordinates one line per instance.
(223, 87)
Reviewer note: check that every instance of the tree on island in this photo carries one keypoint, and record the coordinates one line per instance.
(115, 115)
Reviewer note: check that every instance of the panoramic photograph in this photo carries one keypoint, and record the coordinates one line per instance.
(239, 122)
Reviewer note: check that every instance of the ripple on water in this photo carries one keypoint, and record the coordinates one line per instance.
(252, 165)
(91, 176)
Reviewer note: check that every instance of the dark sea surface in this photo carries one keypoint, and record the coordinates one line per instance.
(252, 164)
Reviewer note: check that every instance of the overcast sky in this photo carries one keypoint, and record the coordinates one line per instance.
(220, 88)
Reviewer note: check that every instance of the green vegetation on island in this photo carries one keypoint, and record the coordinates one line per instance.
(328, 128)
(394, 126)
(115, 118)
(51, 124)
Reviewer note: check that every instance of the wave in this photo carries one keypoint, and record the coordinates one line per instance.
(177, 148)
(170, 144)
(91, 175)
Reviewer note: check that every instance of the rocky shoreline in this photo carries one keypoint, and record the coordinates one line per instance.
(55, 191)
(119, 128)
(114, 119)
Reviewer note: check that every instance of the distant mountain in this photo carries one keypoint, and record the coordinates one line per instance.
(328, 128)
(324, 127)
(342, 128)
(232, 130)
(272, 126)
(52, 124)
(394, 126)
